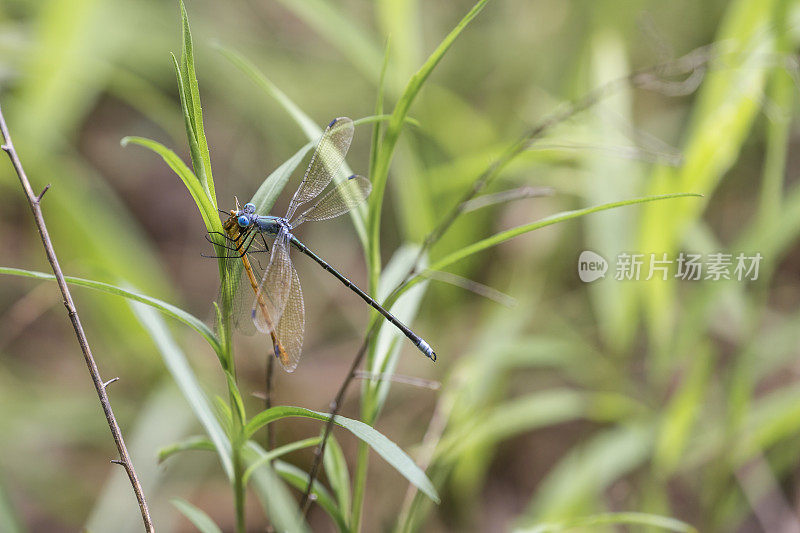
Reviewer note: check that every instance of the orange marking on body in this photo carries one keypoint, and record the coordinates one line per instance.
(232, 229)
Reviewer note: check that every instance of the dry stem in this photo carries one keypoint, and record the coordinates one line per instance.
(99, 385)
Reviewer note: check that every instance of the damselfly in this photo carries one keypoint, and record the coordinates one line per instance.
(278, 306)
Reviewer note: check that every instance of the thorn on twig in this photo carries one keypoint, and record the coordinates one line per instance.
(116, 433)
(109, 382)
(39, 198)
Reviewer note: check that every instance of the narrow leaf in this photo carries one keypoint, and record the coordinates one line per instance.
(614, 519)
(309, 127)
(376, 130)
(196, 516)
(381, 171)
(168, 309)
(376, 440)
(9, 521)
(236, 398)
(329, 19)
(586, 471)
(299, 480)
(503, 236)
(338, 474)
(192, 443)
(186, 107)
(279, 451)
(184, 377)
(274, 495)
(202, 166)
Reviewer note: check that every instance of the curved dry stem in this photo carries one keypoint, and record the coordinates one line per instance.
(99, 385)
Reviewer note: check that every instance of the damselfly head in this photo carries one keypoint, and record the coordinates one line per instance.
(243, 220)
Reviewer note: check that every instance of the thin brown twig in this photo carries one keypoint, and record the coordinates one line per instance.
(99, 385)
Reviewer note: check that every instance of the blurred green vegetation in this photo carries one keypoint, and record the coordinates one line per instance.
(647, 399)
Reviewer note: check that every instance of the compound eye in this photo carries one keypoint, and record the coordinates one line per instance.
(249, 208)
(243, 221)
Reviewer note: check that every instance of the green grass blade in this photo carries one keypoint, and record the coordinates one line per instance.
(338, 475)
(728, 102)
(278, 452)
(299, 480)
(192, 443)
(274, 495)
(196, 516)
(773, 418)
(576, 482)
(533, 411)
(614, 519)
(184, 377)
(9, 521)
(168, 309)
(376, 440)
(327, 19)
(207, 208)
(191, 137)
(236, 399)
(224, 413)
(411, 121)
(621, 178)
(191, 91)
(308, 126)
(781, 93)
(503, 236)
(682, 411)
(376, 130)
(393, 129)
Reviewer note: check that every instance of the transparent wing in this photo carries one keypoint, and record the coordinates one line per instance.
(274, 288)
(339, 200)
(252, 267)
(327, 159)
(239, 286)
(292, 325)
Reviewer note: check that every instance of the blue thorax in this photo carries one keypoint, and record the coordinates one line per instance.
(247, 218)
(270, 224)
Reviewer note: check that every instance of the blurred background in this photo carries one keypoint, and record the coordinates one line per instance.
(677, 398)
